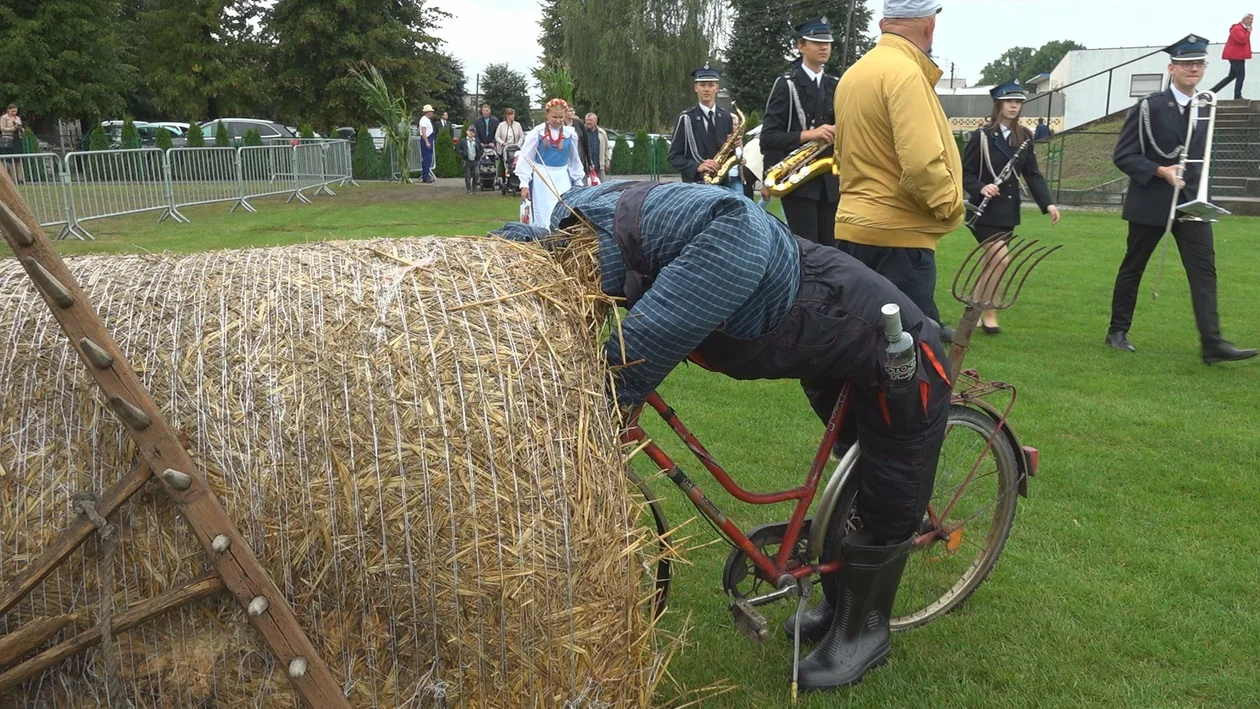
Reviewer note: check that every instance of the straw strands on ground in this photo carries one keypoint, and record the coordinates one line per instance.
(411, 434)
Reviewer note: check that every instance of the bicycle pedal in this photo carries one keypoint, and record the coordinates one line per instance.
(749, 621)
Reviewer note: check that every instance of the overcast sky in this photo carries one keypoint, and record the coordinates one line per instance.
(970, 33)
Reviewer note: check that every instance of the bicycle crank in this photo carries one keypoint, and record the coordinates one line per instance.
(741, 578)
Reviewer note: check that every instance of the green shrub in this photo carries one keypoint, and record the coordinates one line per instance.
(163, 139)
(447, 162)
(754, 120)
(30, 144)
(641, 157)
(196, 139)
(130, 137)
(98, 139)
(306, 131)
(367, 160)
(253, 137)
(662, 156)
(221, 137)
(961, 140)
(621, 158)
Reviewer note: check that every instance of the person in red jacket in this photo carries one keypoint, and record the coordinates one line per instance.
(1237, 52)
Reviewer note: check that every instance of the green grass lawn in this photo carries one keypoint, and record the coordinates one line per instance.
(1130, 578)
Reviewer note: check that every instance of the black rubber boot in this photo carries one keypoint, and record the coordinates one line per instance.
(858, 639)
(815, 622)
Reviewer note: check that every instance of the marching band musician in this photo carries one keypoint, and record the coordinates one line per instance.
(701, 130)
(986, 155)
(1149, 151)
(800, 109)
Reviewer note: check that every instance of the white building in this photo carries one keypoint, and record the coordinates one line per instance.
(1120, 88)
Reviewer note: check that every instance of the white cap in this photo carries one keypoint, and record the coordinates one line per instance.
(911, 9)
(892, 320)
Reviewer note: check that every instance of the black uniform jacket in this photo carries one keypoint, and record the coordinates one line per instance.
(1149, 197)
(1003, 210)
(781, 127)
(680, 157)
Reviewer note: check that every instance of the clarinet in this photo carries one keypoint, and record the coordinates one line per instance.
(1002, 177)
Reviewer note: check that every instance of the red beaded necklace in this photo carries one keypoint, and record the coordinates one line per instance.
(558, 140)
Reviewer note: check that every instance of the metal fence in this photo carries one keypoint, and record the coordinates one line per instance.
(1079, 170)
(82, 186)
(38, 177)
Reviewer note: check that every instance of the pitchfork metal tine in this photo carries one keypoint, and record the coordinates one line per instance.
(1040, 255)
(1018, 255)
(981, 249)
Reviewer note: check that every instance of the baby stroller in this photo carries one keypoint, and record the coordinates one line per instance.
(508, 181)
(487, 168)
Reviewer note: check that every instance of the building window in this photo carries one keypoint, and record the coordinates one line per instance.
(1143, 84)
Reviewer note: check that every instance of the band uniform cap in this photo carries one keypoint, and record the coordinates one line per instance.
(426, 108)
(706, 73)
(911, 9)
(1192, 48)
(815, 30)
(1010, 91)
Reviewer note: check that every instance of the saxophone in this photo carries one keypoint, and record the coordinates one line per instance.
(726, 156)
(800, 166)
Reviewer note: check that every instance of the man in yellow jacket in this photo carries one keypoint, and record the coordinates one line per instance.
(901, 181)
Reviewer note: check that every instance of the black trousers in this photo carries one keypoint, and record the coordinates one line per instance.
(811, 219)
(471, 177)
(911, 270)
(1237, 71)
(1198, 255)
(833, 334)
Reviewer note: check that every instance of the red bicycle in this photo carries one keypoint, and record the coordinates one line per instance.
(982, 472)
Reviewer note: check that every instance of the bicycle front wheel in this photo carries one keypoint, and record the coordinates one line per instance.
(968, 521)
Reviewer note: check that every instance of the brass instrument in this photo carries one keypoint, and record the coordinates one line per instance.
(800, 166)
(727, 156)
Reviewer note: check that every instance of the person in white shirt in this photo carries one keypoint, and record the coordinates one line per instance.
(427, 145)
(508, 133)
(549, 163)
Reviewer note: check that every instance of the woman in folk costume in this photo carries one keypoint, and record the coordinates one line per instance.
(987, 153)
(549, 163)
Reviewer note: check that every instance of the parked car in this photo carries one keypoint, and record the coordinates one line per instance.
(295, 131)
(237, 127)
(378, 135)
(113, 131)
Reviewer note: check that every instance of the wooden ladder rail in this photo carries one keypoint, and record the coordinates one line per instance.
(159, 447)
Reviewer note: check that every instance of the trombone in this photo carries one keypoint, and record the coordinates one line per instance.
(1199, 208)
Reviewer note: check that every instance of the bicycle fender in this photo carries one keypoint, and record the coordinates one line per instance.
(1023, 456)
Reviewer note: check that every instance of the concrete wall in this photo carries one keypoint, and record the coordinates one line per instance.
(966, 111)
(1097, 97)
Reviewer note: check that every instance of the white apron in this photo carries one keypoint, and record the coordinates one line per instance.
(541, 198)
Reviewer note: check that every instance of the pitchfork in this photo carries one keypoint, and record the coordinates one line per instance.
(996, 290)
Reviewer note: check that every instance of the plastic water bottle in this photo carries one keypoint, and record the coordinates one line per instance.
(901, 364)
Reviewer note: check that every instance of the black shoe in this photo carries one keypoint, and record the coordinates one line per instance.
(1225, 352)
(996, 329)
(858, 640)
(1120, 341)
(815, 622)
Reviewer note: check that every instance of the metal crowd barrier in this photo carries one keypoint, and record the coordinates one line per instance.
(110, 183)
(38, 177)
(84, 186)
(268, 170)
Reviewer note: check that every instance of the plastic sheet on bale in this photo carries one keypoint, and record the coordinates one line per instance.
(412, 435)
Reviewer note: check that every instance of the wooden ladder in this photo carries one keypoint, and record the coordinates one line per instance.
(236, 569)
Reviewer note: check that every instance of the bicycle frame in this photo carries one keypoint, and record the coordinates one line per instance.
(780, 570)
(777, 569)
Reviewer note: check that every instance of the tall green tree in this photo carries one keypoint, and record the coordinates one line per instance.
(551, 35)
(317, 42)
(763, 43)
(1047, 58)
(631, 58)
(64, 59)
(1006, 67)
(503, 87)
(451, 98)
(211, 55)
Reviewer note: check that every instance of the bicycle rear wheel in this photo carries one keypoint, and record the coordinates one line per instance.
(943, 572)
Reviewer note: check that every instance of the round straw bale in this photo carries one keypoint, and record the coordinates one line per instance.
(413, 437)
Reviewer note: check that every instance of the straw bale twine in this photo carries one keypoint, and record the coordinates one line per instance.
(411, 434)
